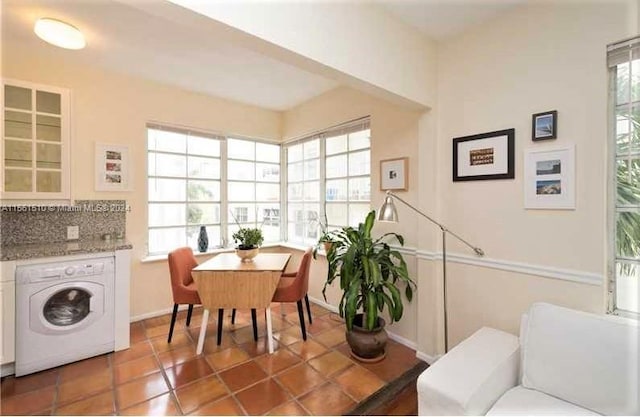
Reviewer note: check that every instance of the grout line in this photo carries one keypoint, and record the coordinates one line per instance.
(114, 391)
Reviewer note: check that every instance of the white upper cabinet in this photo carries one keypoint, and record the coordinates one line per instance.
(35, 142)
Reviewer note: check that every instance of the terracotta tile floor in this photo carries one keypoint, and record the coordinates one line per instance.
(152, 377)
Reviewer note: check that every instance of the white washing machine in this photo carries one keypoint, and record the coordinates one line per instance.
(64, 312)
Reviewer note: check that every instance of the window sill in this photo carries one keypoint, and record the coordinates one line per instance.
(161, 258)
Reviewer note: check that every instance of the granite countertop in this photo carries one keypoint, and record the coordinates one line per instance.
(44, 250)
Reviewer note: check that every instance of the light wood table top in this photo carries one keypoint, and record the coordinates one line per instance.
(226, 282)
(231, 262)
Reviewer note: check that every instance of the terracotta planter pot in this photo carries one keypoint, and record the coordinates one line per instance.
(247, 255)
(367, 345)
(327, 246)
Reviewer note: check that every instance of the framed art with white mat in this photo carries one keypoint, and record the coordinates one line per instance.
(550, 178)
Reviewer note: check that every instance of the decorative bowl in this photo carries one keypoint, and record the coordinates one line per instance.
(247, 255)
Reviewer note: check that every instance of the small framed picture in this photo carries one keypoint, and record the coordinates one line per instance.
(112, 168)
(394, 174)
(549, 178)
(544, 125)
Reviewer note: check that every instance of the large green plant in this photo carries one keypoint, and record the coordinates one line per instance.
(371, 273)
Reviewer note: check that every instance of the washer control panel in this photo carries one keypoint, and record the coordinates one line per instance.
(63, 270)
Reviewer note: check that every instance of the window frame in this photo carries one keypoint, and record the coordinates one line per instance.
(224, 202)
(616, 56)
(346, 129)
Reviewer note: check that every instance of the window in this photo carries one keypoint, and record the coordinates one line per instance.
(303, 190)
(624, 63)
(184, 189)
(185, 180)
(253, 187)
(329, 172)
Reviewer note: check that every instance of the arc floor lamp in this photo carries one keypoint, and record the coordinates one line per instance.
(388, 213)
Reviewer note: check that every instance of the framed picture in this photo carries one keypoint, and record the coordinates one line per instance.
(549, 178)
(394, 174)
(487, 156)
(544, 125)
(112, 168)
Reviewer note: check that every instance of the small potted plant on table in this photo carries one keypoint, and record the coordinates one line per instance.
(249, 241)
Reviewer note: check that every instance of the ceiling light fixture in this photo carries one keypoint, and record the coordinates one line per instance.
(59, 33)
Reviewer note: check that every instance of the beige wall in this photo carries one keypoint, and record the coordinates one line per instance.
(111, 108)
(545, 56)
(394, 133)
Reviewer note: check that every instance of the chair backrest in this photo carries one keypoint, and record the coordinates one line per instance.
(301, 284)
(181, 262)
(303, 271)
(590, 360)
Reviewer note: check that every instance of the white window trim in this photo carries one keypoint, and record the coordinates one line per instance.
(224, 201)
(619, 52)
(344, 128)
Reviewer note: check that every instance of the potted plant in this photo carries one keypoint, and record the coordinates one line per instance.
(372, 276)
(325, 240)
(249, 240)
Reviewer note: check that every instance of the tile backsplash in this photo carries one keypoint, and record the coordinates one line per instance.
(25, 224)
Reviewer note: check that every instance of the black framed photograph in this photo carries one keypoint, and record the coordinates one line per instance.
(487, 156)
(544, 125)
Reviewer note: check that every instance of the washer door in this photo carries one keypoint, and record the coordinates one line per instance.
(66, 308)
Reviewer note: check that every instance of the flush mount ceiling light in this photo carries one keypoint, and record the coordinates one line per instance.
(59, 33)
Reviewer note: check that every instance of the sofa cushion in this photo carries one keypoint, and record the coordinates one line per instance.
(587, 359)
(520, 401)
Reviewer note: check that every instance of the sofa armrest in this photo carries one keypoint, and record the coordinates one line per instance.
(472, 376)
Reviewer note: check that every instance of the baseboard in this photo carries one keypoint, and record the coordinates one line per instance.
(402, 340)
(8, 369)
(157, 313)
(427, 358)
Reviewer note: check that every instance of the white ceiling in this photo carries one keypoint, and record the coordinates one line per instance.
(440, 19)
(133, 41)
(128, 40)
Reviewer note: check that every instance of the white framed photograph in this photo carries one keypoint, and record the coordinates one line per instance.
(112, 168)
(394, 174)
(549, 178)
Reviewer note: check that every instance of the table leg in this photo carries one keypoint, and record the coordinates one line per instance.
(269, 331)
(203, 330)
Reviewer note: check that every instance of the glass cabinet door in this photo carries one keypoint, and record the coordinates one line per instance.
(35, 141)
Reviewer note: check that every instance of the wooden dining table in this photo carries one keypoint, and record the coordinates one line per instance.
(226, 282)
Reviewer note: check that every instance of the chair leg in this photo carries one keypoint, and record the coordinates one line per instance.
(173, 322)
(306, 301)
(233, 316)
(301, 317)
(254, 321)
(191, 312)
(220, 318)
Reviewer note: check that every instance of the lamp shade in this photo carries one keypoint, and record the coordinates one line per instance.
(59, 33)
(388, 212)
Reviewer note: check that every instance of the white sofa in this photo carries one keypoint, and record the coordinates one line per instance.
(565, 362)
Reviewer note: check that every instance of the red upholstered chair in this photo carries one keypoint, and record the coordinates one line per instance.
(181, 262)
(293, 287)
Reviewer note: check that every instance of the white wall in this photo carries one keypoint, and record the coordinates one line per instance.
(539, 57)
(363, 44)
